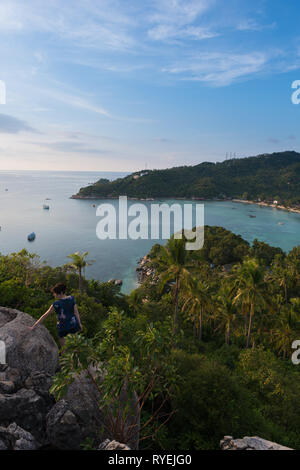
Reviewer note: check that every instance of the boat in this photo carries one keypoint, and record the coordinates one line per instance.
(31, 237)
(46, 207)
(252, 216)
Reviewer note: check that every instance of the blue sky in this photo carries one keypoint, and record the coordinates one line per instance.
(118, 85)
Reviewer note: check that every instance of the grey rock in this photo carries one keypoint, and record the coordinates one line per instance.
(15, 438)
(80, 416)
(6, 386)
(28, 351)
(112, 445)
(25, 408)
(250, 443)
(2, 445)
(63, 430)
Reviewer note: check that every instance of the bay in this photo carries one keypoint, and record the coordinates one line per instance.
(70, 224)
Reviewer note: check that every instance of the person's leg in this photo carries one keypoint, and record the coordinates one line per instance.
(62, 343)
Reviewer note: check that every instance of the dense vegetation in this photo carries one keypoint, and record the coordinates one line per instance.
(265, 177)
(205, 341)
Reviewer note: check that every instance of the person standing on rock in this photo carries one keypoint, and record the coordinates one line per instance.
(68, 319)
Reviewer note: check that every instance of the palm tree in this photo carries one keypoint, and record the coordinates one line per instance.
(173, 265)
(251, 289)
(197, 302)
(287, 329)
(283, 275)
(79, 262)
(226, 310)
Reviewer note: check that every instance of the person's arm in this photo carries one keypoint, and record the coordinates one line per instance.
(42, 318)
(77, 315)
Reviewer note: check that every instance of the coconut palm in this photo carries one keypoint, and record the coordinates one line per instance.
(79, 262)
(226, 311)
(197, 302)
(251, 290)
(172, 263)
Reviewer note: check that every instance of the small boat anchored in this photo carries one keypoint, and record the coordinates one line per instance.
(31, 237)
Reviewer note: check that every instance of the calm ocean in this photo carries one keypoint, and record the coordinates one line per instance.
(70, 225)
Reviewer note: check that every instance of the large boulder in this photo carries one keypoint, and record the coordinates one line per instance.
(27, 351)
(31, 361)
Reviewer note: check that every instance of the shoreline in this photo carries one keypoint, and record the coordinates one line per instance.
(240, 201)
(267, 204)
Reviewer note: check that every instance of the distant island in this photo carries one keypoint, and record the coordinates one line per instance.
(263, 178)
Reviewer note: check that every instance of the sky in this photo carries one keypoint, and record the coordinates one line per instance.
(124, 85)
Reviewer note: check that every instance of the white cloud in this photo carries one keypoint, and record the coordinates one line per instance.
(219, 69)
(253, 25)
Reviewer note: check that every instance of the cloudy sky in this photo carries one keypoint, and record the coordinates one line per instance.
(121, 84)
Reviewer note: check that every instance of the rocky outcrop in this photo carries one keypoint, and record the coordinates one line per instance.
(31, 361)
(26, 405)
(27, 351)
(15, 438)
(250, 443)
(79, 416)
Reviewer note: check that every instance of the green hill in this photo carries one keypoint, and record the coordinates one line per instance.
(265, 177)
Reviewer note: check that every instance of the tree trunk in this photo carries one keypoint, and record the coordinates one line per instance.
(194, 331)
(80, 280)
(176, 305)
(200, 325)
(228, 334)
(249, 327)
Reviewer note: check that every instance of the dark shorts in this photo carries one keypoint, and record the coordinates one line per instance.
(71, 331)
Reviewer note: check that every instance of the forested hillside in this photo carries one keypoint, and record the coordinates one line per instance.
(264, 177)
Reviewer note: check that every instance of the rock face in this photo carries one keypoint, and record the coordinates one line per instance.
(79, 416)
(250, 443)
(15, 438)
(27, 351)
(26, 408)
(25, 379)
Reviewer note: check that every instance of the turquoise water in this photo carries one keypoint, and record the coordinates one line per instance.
(70, 225)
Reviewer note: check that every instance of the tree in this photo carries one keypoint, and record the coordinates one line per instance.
(251, 289)
(173, 265)
(197, 301)
(227, 314)
(129, 358)
(79, 262)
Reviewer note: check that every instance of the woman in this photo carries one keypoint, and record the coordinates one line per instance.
(68, 319)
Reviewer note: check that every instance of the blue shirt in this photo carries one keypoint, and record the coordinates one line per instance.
(64, 308)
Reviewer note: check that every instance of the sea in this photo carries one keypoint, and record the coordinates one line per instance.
(70, 224)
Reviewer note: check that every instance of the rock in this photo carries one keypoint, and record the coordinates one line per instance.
(2, 445)
(250, 443)
(79, 416)
(6, 386)
(26, 408)
(112, 445)
(27, 351)
(40, 383)
(15, 438)
(63, 430)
